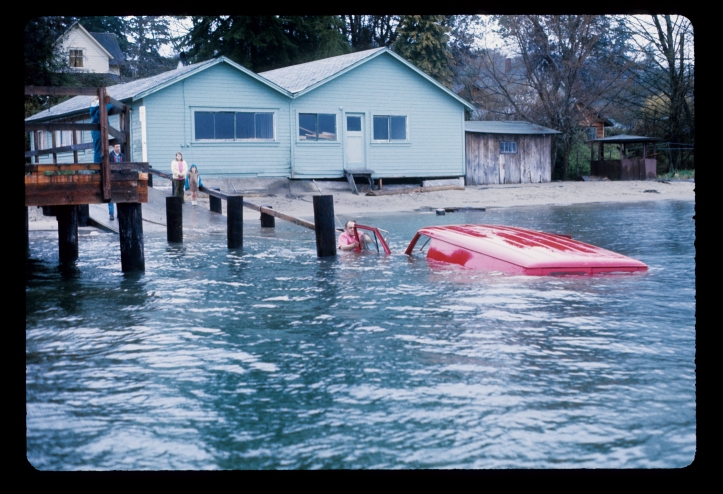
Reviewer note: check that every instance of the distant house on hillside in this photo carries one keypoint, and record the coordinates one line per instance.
(508, 153)
(367, 110)
(594, 122)
(86, 52)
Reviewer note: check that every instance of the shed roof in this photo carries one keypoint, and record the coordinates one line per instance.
(623, 138)
(140, 88)
(110, 43)
(488, 127)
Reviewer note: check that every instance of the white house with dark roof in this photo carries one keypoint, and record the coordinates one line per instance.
(367, 110)
(90, 52)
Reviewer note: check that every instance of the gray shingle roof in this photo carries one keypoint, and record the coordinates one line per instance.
(507, 128)
(299, 77)
(110, 43)
(121, 92)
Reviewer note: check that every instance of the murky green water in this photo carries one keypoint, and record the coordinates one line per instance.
(269, 358)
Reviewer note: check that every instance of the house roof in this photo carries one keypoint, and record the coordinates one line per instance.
(305, 77)
(623, 138)
(110, 43)
(486, 127)
(297, 78)
(291, 81)
(134, 90)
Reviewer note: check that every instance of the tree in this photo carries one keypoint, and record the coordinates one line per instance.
(562, 66)
(364, 32)
(143, 58)
(422, 40)
(107, 24)
(667, 77)
(265, 42)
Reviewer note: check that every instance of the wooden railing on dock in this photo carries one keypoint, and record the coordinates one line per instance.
(56, 184)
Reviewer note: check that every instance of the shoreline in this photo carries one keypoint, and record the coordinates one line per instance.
(295, 197)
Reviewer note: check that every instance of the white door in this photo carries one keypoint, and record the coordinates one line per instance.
(354, 141)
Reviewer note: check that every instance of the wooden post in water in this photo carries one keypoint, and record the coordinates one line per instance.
(174, 218)
(235, 211)
(267, 221)
(130, 227)
(324, 226)
(67, 232)
(214, 203)
(83, 214)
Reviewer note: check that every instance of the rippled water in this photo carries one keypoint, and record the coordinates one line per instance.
(270, 358)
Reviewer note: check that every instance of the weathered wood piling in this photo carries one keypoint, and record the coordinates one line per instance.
(267, 221)
(67, 232)
(324, 226)
(174, 218)
(214, 202)
(235, 212)
(130, 228)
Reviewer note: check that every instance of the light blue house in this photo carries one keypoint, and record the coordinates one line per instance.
(367, 110)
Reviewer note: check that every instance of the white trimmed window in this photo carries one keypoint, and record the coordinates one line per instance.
(76, 58)
(508, 147)
(234, 126)
(317, 127)
(390, 128)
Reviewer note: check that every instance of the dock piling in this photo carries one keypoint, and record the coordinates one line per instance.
(174, 218)
(324, 226)
(67, 232)
(130, 228)
(214, 203)
(235, 211)
(267, 221)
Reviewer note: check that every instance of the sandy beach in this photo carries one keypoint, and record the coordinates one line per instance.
(295, 197)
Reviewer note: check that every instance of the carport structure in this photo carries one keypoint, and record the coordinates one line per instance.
(637, 158)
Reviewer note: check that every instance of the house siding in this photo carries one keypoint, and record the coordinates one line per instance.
(384, 86)
(170, 125)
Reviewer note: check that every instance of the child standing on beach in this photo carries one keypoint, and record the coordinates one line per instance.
(193, 182)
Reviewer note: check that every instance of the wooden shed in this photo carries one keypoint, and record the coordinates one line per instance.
(508, 153)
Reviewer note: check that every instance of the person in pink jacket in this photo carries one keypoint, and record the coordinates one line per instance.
(179, 169)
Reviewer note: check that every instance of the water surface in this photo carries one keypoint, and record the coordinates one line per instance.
(270, 358)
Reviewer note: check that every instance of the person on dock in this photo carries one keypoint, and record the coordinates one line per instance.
(95, 134)
(347, 240)
(116, 156)
(193, 182)
(179, 169)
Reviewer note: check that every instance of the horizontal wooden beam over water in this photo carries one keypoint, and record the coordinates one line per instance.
(276, 214)
(52, 190)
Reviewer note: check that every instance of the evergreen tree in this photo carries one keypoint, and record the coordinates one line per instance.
(265, 42)
(422, 40)
(143, 59)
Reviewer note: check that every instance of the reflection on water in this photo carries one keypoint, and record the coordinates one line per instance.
(269, 358)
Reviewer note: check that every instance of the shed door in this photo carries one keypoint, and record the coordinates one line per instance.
(354, 144)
